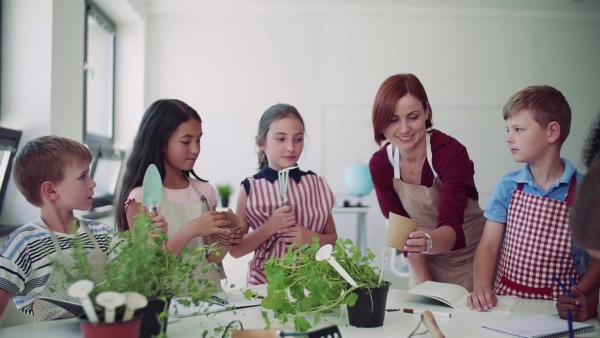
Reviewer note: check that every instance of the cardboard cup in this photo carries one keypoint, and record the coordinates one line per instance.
(399, 227)
(254, 333)
(236, 222)
(220, 238)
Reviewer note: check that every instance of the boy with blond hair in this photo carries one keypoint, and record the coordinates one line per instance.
(528, 211)
(53, 174)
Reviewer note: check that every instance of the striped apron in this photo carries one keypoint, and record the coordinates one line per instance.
(311, 200)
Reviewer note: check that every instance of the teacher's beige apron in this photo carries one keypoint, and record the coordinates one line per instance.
(57, 286)
(421, 204)
(178, 214)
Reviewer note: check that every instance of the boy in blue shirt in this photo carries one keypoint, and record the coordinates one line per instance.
(528, 211)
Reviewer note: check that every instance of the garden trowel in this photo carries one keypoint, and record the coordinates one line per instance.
(152, 190)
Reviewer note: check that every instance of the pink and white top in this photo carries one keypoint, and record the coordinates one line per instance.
(308, 194)
(187, 195)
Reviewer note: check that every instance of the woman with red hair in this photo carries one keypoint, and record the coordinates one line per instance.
(426, 175)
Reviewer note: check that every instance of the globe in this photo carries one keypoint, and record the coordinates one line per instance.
(357, 179)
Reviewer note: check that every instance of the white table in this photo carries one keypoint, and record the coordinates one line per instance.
(361, 223)
(463, 323)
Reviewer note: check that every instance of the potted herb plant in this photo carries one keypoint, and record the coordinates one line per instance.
(142, 264)
(225, 190)
(299, 286)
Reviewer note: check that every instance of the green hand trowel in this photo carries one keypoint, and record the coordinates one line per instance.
(152, 190)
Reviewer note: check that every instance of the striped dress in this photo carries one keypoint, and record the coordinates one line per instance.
(308, 194)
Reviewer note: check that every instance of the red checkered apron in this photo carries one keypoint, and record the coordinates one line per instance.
(537, 245)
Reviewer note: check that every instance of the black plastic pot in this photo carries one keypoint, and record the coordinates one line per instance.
(150, 323)
(369, 309)
(224, 201)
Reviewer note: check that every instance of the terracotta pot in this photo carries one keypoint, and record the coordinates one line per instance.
(128, 329)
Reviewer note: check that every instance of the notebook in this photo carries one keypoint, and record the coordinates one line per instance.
(540, 326)
(455, 296)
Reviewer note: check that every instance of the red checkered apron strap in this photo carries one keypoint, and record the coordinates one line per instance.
(537, 245)
(571, 193)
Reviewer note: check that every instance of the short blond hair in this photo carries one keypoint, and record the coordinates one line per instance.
(545, 103)
(45, 159)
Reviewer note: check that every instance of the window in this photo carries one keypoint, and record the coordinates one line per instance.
(105, 170)
(99, 57)
(98, 129)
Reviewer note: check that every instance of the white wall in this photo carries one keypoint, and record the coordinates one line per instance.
(41, 87)
(130, 18)
(66, 106)
(42, 75)
(231, 61)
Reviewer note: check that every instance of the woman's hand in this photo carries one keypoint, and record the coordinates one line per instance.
(160, 223)
(416, 243)
(282, 218)
(577, 305)
(482, 299)
(296, 233)
(209, 223)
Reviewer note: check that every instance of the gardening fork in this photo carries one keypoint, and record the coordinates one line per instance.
(284, 179)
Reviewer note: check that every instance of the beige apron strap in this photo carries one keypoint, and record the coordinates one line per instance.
(394, 157)
(54, 240)
(202, 198)
(89, 233)
(85, 228)
(430, 154)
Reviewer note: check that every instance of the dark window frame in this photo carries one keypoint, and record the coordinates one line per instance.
(95, 12)
(101, 146)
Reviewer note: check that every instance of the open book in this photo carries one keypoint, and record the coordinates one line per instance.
(219, 302)
(456, 296)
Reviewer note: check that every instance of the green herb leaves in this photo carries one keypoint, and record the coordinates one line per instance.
(299, 285)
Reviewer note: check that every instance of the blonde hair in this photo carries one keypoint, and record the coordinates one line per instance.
(545, 104)
(45, 159)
